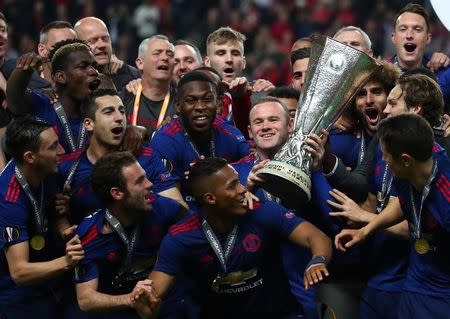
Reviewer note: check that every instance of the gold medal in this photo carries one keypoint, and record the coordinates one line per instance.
(37, 242)
(422, 246)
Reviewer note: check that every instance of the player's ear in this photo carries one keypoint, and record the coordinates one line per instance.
(116, 193)
(209, 198)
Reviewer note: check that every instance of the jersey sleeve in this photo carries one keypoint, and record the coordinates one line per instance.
(87, 268)
(170, 256)
(168, 208)
(441, 201)
(167, 150)
(320, 189)
(242, 145)
(13, 222)
(156, 171)
(41, 105)
(278, 218)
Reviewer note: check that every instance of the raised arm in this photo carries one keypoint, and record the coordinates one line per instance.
(19, 98)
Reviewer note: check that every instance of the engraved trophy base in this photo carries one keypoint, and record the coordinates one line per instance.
(286, 182)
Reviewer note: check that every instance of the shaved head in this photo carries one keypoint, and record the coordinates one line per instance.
(96, 34)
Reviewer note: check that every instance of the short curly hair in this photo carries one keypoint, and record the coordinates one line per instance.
(387, 75)
(58, 55)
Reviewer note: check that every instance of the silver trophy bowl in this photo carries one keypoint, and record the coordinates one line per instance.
(335, 73)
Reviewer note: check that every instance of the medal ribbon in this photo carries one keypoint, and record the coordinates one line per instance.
(212, 144)
(129, 243)
(66, 127)
(386, 185)
(362, 148)
(72, 171)
(37, 209)
(217, 247)
(417, 214)
(137, 104)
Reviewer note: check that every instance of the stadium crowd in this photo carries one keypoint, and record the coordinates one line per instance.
(132, 139)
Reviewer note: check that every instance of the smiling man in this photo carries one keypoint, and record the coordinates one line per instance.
(233, 253)
(122, 239)
(187, 58)
(197, 131)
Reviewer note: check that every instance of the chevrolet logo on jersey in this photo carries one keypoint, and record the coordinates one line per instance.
(236, 282)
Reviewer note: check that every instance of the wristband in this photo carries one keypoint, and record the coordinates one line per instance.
(315, 261)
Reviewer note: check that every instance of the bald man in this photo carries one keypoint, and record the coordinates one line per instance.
(96, 34)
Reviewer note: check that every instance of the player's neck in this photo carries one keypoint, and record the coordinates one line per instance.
(368, 132)
(104, 69)
(155, 90)
(198, 137)
(408, 65)
(265, 154)
(219, 224)
(96, 150)
(70, 105)
(123, 215)
(31, 174)
(421, 173)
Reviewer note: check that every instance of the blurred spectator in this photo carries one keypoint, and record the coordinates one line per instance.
(270, 26)
(146, 18)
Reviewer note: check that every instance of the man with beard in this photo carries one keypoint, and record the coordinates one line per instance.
(187, 58)
(96, 34)
(356, 183)
(28, 265)
(104, 119)
(121, 240)
(411, 37)
(420, 170)
(342, 293)
(367, 109)
(232, 253)
(75, 77)
(197, 131)
(413, 94)
(153, 103)
(225, 53)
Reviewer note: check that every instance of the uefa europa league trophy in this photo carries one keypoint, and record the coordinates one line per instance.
(335, 73)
